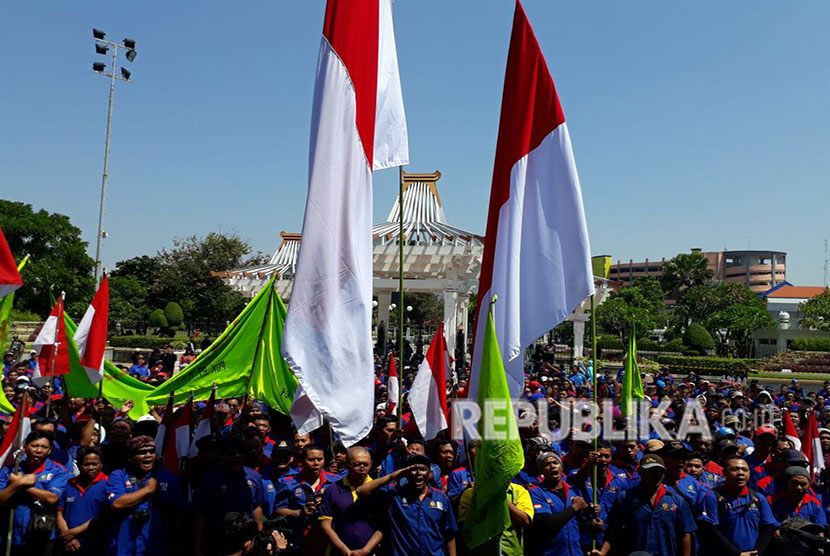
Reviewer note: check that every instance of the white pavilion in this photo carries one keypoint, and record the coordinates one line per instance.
(438, 258)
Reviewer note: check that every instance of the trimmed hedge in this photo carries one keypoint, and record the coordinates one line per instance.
(643, 344)
(145, 342)
(811, 344)
(704, 365)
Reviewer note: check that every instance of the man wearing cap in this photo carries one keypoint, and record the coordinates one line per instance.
(650, 517)
(232, 487)
(556, 508)
(530, 474)
(579, 444)
(775, 482)
(346, 521)
(735, 519)
(796, 500)
(765, 436)
(421, 520)
(145, 504)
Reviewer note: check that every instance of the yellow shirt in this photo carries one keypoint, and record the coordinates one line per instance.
(512, 539)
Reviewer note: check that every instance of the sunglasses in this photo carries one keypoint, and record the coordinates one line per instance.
(145, 452)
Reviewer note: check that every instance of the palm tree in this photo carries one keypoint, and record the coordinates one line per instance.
(683, 272)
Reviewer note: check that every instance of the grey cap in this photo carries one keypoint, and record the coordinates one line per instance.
(545, 456)
(795, 471)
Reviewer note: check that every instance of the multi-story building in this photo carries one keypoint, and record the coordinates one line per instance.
(760, 270)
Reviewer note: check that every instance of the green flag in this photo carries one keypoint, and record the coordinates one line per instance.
(244, 360)
(500, 456)
(6, 304)
(118, 386)
(632, 386)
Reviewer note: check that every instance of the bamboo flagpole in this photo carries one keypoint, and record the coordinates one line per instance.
(21, 416)
(401, 241)
(594, 370)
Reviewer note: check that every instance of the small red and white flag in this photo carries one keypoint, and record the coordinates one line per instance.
(536, 258)
(790, 433)
(428, 395)
(392, 388)
(10, 278)
(173, 435)
(52, 346)
(91, 335)
(203, 428)
(812, 445)
(14, 435)
(358, 126)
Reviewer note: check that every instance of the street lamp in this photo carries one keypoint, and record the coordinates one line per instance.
(102, 46)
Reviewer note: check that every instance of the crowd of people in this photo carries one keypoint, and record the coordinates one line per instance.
(90, 480)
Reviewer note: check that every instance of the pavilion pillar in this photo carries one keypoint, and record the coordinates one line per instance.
(384, 300)
(579, 318)
(450, 318)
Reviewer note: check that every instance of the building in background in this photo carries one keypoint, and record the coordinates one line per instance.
(759, 270)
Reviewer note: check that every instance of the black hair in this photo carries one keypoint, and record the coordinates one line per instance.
(85, 451)
(604, 445)
(730, 458)
(694, 455)
(338, 448)
(384, 420)
(237, 529)
(37, 435)
(312, 448)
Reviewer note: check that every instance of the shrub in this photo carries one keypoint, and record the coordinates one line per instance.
(18, 315)
(704, 365)
(157, 319)
(698, 339)
(146, 342)
(811, 344)
(173, 313)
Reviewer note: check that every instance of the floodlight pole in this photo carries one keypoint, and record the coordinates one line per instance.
(105, 174)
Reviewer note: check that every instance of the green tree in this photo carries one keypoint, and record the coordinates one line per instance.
(698, 339)
(729, 311)
(640, 303)
(158, 320)
(683, 272)
(173, 313)
(59, 261)
(816, 311)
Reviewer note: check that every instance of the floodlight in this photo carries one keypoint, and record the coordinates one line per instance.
(125, 73)
(131, 54)
(129, 43)
(99, 67)
(98, 34)
(101, 48)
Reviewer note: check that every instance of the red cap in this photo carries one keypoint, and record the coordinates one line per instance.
(766, 429)
(534, 384)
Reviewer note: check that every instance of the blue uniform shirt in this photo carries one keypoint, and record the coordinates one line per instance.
(739, 518)
(80, 505)
(418, 527)
(459, 480)
(568, 541)
(810, 508)
(586, 491)
(293, 492)
(222, 492)
(51, 476)
(657, 528)
(525, 479)
(142, 534)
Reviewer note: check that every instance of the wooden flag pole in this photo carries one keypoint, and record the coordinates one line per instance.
(594, 385)
(22, 416)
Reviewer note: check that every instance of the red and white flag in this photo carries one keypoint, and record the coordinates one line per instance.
(392, 388)
(10, 278)
(52, 346)
(428, 395)
(790, 433)
(203, 428)
(13, 440)
(358, 125)
(91, 334)
(812, 445)
(536, 253)
(173, 435)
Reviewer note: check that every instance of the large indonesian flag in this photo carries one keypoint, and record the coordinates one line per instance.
(536, 253)
(91, 334)
(173, 435)
(358, 126)
(10, 278)
(51, 344)
(428, 395)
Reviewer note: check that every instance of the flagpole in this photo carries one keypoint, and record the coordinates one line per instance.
(54, 354)
(594, 370)
(23, 403)
(401, 305)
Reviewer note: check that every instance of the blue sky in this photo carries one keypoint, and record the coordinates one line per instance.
(694, 124)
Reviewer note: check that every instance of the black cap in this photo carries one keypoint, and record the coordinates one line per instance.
(674, 449)
(417, 459)
(727, 445)
(210, 442)
(792, 456)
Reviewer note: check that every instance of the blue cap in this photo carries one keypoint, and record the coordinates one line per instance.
(661, 384)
